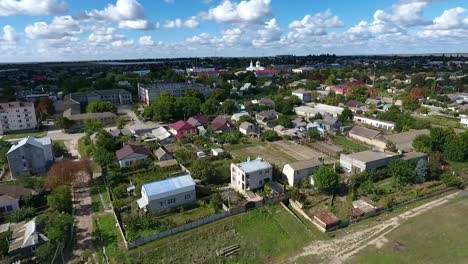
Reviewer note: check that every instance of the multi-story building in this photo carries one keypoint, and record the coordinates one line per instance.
(250, 175)
(30, 156)
(16, 116)
(115, 96)
(149, 92)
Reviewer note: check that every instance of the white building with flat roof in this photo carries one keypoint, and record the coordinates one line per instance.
(368, 161)
(149, 92)
(17, 116)
(250, 175)
(299, 171)
(387, 125)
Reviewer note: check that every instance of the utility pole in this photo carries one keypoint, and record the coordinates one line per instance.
(373, 79)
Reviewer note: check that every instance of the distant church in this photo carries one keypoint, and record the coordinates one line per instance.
(257, 67)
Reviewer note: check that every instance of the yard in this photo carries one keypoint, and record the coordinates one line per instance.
(441, 121)
(349, 145)
(278, 153)
(437, 236)
(268, 234)
(106, 235)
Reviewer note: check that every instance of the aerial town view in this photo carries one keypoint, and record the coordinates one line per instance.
(234, 131)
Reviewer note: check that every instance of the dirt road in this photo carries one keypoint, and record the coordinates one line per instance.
(339, 250)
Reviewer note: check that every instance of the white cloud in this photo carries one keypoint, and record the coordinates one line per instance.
(60, 27)
(268, 34)
(106, 36)
(129, 14)
(169, 1)
(248, 11)
(448, 25)
(9, 34)
(315, 25)
(192, 22)
(146, 41)
(32, 7)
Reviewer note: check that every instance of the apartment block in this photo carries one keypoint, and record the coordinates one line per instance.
(17, 116)
(149, 92)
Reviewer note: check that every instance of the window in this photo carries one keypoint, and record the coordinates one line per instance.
(187, 196)
(171, 201)
(260, 182)
(2, 209)
(9, 208)
(161, 204)
(24, 164)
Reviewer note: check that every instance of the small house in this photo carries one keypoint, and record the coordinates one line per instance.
(162, 154)
(173, 192)
(199, 120)
(249, 129)
(267, 118)
(181, 128)
(250, 175)
(299, 171)
(25, 239)
(221, 124)
(130, 153)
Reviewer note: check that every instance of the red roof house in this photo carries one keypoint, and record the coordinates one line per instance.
(266, 73)
(181, 128)
(199, 120)
(221, 124)
(131, 153)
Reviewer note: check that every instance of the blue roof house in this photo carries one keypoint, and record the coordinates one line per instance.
(162, 195)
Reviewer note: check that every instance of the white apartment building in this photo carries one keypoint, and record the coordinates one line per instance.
(16, 116)
(387, 125)
(149, 92)
(250, 175)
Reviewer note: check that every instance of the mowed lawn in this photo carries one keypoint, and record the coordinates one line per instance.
(266, 235)
(437, 236)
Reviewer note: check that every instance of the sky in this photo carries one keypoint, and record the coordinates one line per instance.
(65, 30)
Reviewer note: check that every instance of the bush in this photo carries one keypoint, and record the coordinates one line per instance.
(270, 135)
(22, 214)
(451, 180)
(61, 199)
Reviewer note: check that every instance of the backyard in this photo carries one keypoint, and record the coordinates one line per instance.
(268, 234)
(349, 145)
(417, 241)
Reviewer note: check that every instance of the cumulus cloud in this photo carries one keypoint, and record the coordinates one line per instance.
(192, 22)
(268, 34)
(315, 25)
(248, 11)
(449, 24)
(109, 35)
(129, 14)
(9, 34)
(32, 7)
(146, 41)
(61, 26)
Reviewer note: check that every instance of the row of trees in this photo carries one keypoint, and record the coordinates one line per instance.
(453, 146)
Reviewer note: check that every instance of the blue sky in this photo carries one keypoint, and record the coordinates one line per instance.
(49, 30)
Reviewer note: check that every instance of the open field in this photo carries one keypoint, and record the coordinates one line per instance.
(278, 153)
(37, 134)
(441, 121)
(269, 234)
(437, 236)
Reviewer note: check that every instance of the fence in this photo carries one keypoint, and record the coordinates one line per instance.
(197, 223)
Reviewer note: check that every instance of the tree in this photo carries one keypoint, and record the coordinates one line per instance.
(359, 93)
(161, 109)
(285, 121)
(45, 108)
(455, 149)
(423, 143)
(346, 115)
(64, 172)
(22, 214)
(120, 123)
(326, 180)
(331, 80)
(210, 106)
(270, 135)
(228, 107)
(401, 171)
(390, 146)
(64, 123)
(56, 225)
(101, 107)
(313, 135)
(60, 199)
(410, 103)
(92, 126)
(103, 157)
(188, 106)
(201, 169)
(421, 171)
(451, 180)
(4, 147)
(436, 160)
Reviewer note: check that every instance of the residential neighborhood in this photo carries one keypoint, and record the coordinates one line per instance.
(257, 148)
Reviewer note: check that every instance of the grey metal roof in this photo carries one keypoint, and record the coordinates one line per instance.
(371, 155)
(305, 164)
(364, 132)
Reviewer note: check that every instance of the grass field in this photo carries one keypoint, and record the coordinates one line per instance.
(442, 121)
(267, 151)
(437, 236)
(349, 145)
(37, 134)
(106, 235)
(265, 235)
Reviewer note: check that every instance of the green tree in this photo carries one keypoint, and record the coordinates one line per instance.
(162, 109)
(346, 115)
(228, 107)
(331, 80)
(201, 169)
(4, 147)
(326, 180)
(22, 214)
(455, 149)
(270, 135)
(410, 103)
(103, 157)
(188, 106)
(60, 199)
(56, 225)
(401, 171)
(210, 106)
(64, 123)
(285, 121)
(423, 143)
(92, 126)
(101, 107)
(359, 93)
(120, 123)
(421, 171)
(313, 135)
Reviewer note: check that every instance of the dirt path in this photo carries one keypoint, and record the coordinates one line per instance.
(339, 250)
